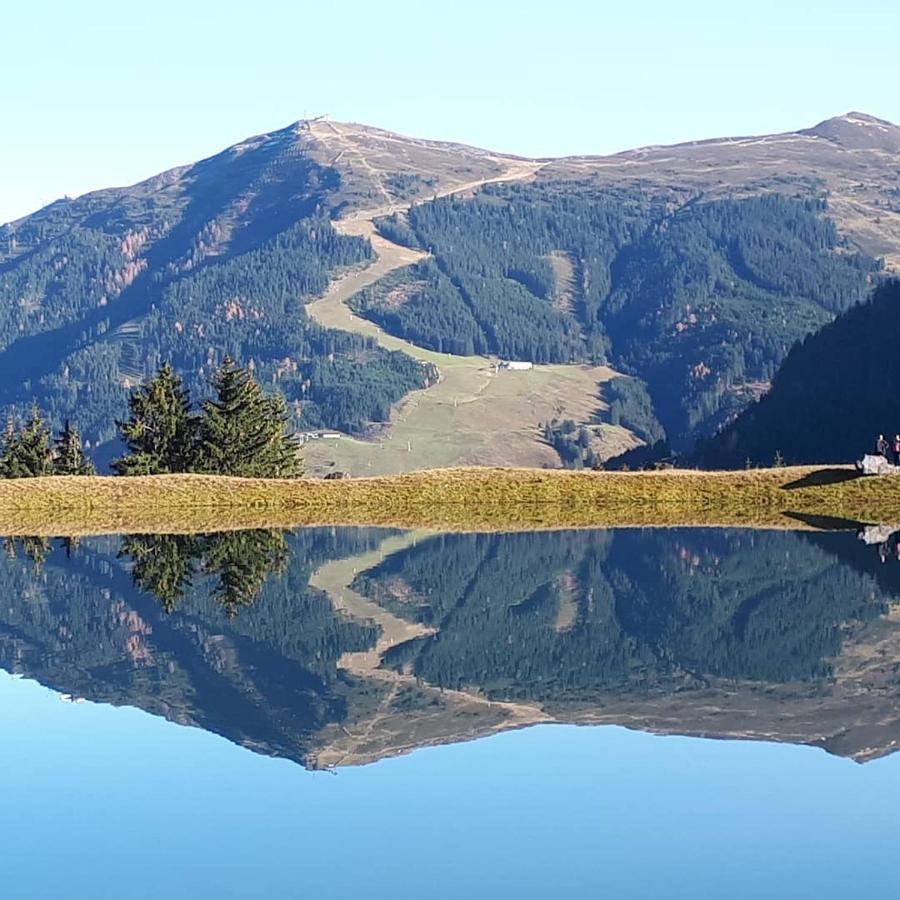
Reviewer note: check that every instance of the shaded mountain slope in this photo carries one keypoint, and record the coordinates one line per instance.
(832, 396)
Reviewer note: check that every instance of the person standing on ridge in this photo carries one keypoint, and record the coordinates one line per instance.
(896, 449)
(881, 446)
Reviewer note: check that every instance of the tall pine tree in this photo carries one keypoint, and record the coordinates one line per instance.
(244, 431)
(26, 452)
(160, 431)
(68, 455)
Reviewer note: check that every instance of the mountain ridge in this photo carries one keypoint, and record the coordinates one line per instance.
(302, 126)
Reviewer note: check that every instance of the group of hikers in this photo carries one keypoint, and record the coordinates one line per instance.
(890, 450)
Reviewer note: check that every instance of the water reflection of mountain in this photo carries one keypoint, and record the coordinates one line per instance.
(540, 616)
(261, 678)
(347, 654)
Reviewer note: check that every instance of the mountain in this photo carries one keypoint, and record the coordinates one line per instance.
(832, 396)
(352, 266)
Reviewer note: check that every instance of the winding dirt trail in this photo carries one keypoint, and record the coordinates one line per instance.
(331, 311)
(335, 579)
(472, 415)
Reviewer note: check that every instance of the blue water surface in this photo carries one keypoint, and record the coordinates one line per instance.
(102, 802)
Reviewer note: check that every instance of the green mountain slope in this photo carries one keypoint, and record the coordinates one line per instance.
(832, 396)
(692, 268)
(188, 267)
(699, 301)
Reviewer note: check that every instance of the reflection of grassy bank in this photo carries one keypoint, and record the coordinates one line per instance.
(452, 499)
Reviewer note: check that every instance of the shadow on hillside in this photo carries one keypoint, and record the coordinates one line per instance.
(826, 523)
(822, 477)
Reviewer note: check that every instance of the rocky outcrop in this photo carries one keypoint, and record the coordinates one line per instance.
(871, 464)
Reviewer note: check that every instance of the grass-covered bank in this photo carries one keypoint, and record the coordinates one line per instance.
(452, 499)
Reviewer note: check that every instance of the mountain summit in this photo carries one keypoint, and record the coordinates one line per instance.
(858, 131)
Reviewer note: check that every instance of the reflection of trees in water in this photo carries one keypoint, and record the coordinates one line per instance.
(243, 560)
(162, 564)
(571, 619)
(165, 564)
(33, 548)
(561, 615)
(37, 548)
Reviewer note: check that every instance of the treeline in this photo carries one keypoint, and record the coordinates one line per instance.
(494, 251)
(241, 430)
(422, 305)
(27, 450)
(834, 394)
(630, 406)
(700, 309)
(573, 444)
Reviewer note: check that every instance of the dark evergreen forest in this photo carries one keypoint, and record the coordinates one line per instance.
(556, 617)
(834, 394)
(700, 301)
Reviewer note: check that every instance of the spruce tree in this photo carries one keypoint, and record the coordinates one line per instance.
(26, 452)
(164, 565)
(9, 439)
(68, 456)
(244, 431)
(160, 431)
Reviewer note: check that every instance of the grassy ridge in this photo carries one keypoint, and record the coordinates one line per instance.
(452, 499)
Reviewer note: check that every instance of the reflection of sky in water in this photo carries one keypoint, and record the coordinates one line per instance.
(114, 803)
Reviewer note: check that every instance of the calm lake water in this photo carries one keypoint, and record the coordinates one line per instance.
(335, 713)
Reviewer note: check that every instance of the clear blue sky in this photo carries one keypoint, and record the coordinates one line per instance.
(100, 92)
